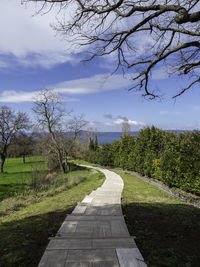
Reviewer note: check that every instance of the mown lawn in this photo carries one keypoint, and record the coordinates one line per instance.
(30, 217)
(18, 176)
(167, 230)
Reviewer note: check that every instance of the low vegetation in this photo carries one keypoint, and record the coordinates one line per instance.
(19, 177)
(35, 207)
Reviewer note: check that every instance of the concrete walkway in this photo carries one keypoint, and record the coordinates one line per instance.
(95, 234)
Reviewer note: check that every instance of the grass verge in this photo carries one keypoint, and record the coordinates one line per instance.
(166, 229)
(24, 233)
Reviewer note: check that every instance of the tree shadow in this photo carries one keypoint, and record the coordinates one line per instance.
(23, 242)
(166, 234)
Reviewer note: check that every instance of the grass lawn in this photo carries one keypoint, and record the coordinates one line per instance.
(30, 217)
(17, 175)
(167, 230)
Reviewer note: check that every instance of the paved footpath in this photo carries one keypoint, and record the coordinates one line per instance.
(95, 234)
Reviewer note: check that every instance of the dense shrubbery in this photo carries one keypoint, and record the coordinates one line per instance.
(167, 156)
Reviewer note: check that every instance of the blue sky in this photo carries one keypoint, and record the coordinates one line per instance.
(33, 57)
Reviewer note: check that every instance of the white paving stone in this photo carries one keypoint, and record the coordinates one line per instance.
(130, 257)
(87, 199)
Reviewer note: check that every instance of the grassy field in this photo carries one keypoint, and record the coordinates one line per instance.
(166, 229)
(32, 214)
(17, 176)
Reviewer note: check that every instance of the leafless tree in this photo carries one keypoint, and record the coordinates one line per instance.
(126, 128)
(143, 35)
(58, 122)
(74, 127)
(11, 123)
(50, 116)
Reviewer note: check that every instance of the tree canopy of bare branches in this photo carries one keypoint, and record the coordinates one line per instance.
(54, 119)
(142, 35)
(11, 123)
(50, 117)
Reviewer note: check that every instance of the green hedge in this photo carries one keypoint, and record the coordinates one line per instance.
(172, 158)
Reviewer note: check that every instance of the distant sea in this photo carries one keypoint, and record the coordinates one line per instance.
(107, 137)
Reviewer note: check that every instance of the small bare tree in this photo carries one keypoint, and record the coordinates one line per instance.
(74, 128)
(11, 123)
(63, 129)
(143, 35)
(50, 115)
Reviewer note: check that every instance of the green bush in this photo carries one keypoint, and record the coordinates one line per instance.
(172, 158)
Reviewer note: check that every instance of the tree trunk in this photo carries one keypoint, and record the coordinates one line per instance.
(24, 161)
(3, 158)
(62, 165)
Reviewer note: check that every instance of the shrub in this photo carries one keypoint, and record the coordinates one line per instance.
(167, 156)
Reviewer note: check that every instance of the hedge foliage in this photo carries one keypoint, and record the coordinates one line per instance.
(172, 158)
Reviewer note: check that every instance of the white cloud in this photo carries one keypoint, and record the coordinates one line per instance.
(94, 84)
(12, 96)
(24, 35)
(131, 122)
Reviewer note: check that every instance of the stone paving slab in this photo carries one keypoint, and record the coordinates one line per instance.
(92, 264)
(63, 258)
(94, 228)
(87, 199)
(95, 234)
(93, 218)
(103, 210)
(130, 257)
(80, 209)
(94, 243)
(108, 200)
(93, 255)
(54, 258)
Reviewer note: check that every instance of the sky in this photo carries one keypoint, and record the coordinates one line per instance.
(33, 57)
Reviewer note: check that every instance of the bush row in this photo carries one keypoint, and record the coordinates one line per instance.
(172, 158)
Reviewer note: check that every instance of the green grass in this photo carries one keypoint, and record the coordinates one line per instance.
(166, 229)
(17, 176)
(30, 217)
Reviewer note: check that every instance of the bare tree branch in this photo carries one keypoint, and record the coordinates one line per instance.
(168, 31)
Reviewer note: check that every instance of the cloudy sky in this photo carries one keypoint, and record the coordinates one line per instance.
(33, 56)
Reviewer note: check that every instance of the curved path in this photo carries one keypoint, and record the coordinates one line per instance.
(95, 234)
